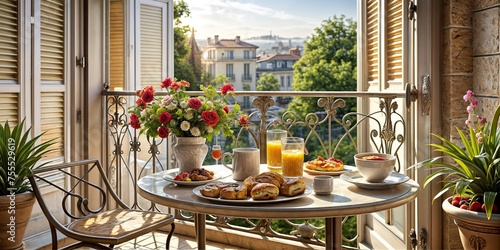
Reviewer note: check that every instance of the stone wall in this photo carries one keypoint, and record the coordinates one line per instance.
(470, 56)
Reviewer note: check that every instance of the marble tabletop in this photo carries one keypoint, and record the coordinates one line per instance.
(346, 199)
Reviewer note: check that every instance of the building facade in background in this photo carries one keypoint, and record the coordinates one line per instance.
(234, 59)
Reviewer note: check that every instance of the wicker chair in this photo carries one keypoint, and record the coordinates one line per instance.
(94, 227)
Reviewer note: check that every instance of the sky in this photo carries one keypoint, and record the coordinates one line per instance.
(247, 18)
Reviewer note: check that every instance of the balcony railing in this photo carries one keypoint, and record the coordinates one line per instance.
(231, 58)
(130, 156)
(246, 77)
(231, 77)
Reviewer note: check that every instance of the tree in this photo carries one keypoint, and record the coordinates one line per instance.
(268, 82)
(328, 63)
(220, 80)
(182, 69)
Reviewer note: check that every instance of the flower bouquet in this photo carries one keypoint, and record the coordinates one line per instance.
(476, 174)
(184, 116)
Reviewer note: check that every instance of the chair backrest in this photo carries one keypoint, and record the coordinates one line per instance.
(79, 174)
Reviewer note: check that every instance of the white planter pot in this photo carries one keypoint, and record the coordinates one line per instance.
(190, 152)
(476, 231)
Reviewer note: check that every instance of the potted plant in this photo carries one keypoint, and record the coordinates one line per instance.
(18, 155)
(192, 120)
(474, 178)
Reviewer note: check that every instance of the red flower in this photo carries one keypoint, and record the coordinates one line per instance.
(226, 109)
(185, 83)
(148, 94)
(164, 118)
(226, 88)
(243, 120)
(134, 121)
(210, 117)
(139, 101)
(194, 103)
(163, 132)
(138, 92)
(166, 83)
(175, 85)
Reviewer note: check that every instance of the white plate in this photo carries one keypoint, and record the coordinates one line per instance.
(355, 178)
(170, 175)
(346, 169)
(248, 200)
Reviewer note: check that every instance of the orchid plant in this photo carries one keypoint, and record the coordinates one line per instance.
(184, 116)
(478, 166)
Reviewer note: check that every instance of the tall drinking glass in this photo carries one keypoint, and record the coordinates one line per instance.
(292, 153)
(274, 149)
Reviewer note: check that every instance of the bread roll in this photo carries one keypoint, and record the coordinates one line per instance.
(275, 175)
(293, 187)
(234, 193)
(249, 182)
(264, 191)
(222, 185)
(267, 179)
(210, 190)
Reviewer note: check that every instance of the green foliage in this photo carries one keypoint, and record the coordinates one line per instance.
(477, 169)
(328, 64)
(220, 80)
(183, 70)
(19, 155)
(206, 78)
(268, 82)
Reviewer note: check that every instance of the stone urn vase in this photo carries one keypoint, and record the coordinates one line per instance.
(476, 231)
(190, 152)
(15, 213)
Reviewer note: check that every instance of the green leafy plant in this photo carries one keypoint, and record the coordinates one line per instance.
(19, 155)
(477, 169)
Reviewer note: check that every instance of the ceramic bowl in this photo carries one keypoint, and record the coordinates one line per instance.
(375, 170)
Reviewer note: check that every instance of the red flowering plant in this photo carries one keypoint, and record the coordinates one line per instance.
(181, 115)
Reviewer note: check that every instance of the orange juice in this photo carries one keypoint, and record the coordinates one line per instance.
(216, 154)
(293, 161)
(274, 153)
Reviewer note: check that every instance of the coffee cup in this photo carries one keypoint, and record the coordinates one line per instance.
(323, 184)
(246, 162)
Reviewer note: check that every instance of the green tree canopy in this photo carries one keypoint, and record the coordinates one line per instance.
(182, 69)
(220, 80)
(328, 64)
(268, 82)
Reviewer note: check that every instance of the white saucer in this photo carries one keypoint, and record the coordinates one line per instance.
(355, 178)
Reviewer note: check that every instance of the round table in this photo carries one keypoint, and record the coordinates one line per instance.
(347, 199)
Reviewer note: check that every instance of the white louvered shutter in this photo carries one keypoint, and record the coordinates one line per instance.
(151, 43)
(9, 108)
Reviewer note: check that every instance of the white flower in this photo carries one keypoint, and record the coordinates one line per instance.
(171, 106)
(189, 116)
(144, 113)
(184, 104)
(209, 129)
(195, 131)
(211, 104)
(185, 126)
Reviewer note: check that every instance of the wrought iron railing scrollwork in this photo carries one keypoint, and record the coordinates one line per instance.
(124, 144)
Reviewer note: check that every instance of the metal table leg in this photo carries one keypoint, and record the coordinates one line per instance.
(199, 225)
(333, 228)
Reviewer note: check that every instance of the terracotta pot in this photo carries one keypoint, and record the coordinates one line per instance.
(23, 205)
(190, 152)
(476, 231)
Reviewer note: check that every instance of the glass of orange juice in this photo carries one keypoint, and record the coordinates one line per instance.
(292, 153)
(274, 149)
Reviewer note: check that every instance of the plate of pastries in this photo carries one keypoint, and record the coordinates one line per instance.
(196, 177)
(266, 187)
(330, 166)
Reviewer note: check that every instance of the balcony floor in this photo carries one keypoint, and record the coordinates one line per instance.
(177, 242)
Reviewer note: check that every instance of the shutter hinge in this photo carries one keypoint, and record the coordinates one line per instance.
(413, 238)
(412, 9)
(80, 62)
(422, 239)
(32, 20)
(79, 116)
